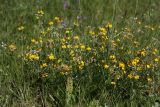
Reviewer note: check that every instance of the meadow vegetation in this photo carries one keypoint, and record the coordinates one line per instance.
(79, 53)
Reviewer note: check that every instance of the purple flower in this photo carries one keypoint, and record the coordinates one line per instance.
(65, 5)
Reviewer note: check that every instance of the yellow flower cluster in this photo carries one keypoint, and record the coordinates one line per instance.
(51, 57)
(33, 57)
(64, 50)
(39, 14)
(135, 61)
(12, 47)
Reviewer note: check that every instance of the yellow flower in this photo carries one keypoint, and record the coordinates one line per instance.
(51, 57)
(118, 40)
(102, 30)
(113, 83)
(71, 53)
(34, 41)
(139, 68)
(106, 66)
(82, 46)
(69, 38)
(43, 65)
(129, 52)
(67, 32)
(130, 76)
(76, 46)
(40, 12)
(12, 47)
(102, 48)
(110, 25)
(122, 65)
(43, 33)
(149, 79)
(112, 57)
(81, 64)
(64, 46)
(57, 19)
(156, 59)
(91, 32)
(142, 52)
(33, 57)
(135, 61)
(88, 49)
(136, 77)
(155, 51)
(50, 23)
(21, 28)
(76, 37)
(103, 61)
(69, 46)
(148, 66)
(40, 40)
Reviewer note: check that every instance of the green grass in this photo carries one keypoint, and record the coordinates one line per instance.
(21, 84)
